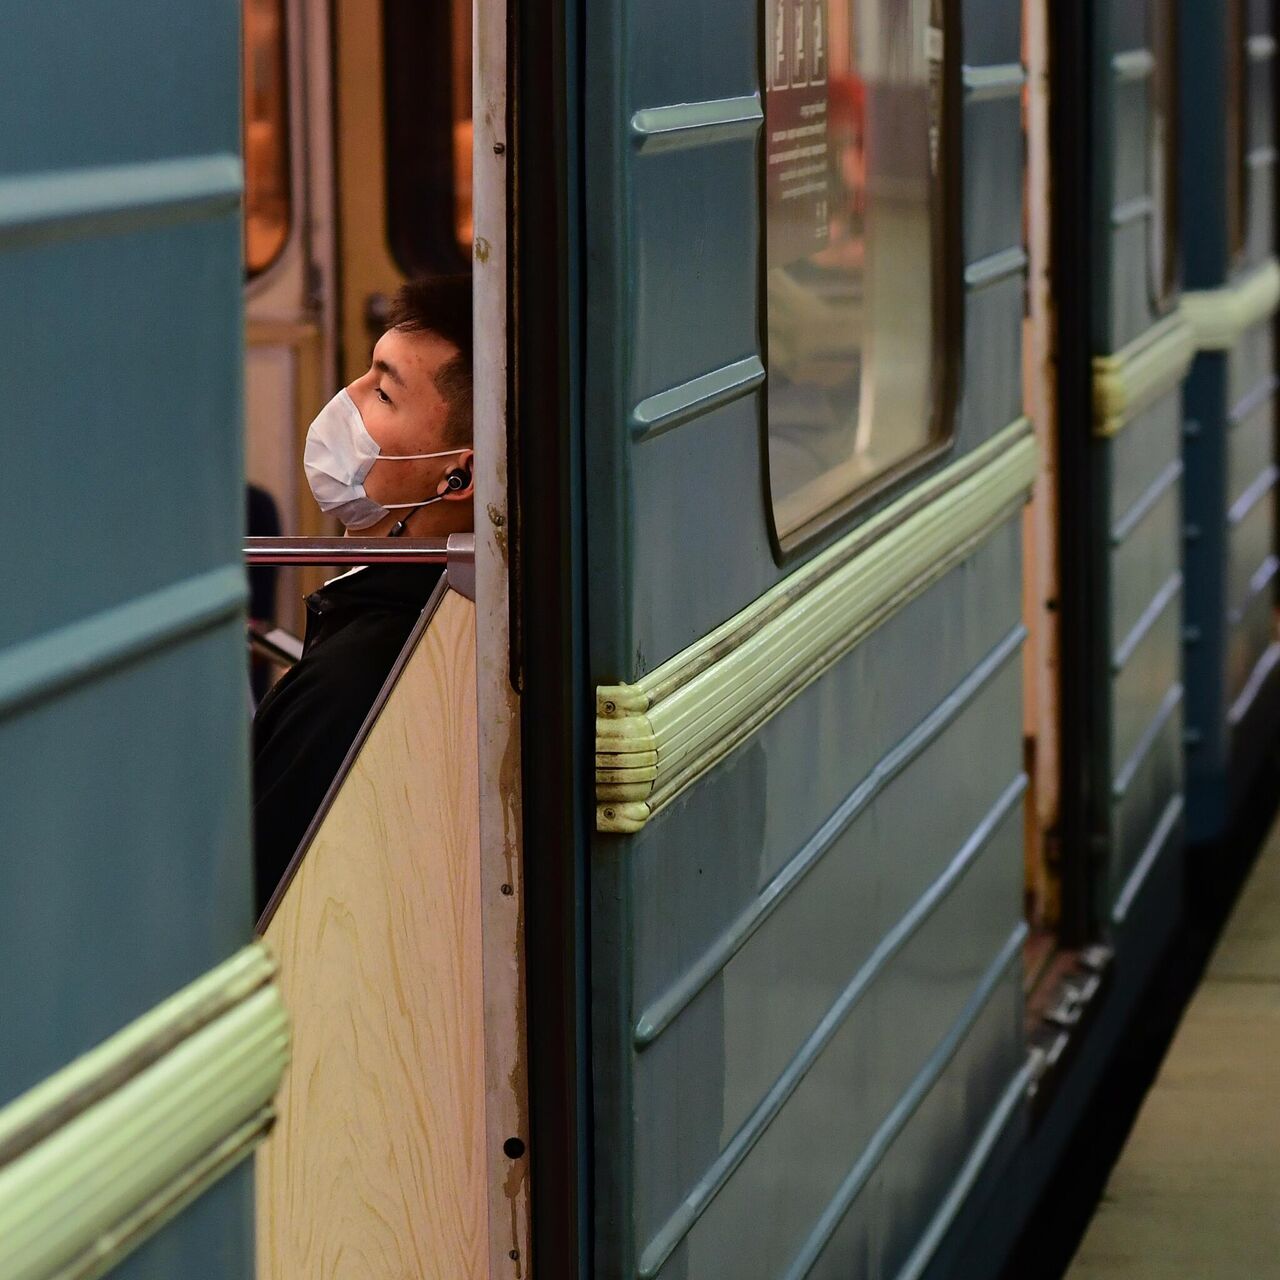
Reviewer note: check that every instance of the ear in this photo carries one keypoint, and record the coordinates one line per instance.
(462, 468)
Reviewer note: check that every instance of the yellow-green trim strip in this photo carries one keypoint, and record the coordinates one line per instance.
(1220, 316)
(97, 1157)
(1139, 374)
(655, 737)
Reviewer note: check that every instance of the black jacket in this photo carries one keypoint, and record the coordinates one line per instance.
(356, 628)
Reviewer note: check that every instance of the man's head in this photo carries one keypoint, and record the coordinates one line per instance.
(416, 398)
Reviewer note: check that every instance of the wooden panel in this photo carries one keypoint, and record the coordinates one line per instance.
(376, 1168)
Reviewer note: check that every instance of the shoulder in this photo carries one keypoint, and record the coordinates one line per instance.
(332, 687)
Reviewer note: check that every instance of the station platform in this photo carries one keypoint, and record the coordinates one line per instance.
(1196, 1191)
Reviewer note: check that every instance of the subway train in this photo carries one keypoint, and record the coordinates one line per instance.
(763, 844)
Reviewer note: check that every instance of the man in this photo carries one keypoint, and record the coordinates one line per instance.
(389, 455)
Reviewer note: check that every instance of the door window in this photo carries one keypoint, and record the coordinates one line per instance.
(854, 187)
(266, 135)
(428, 105)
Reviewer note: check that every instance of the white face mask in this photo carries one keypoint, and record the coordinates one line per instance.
(338, 455)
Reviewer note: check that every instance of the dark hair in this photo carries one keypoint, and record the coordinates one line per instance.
(442, 305)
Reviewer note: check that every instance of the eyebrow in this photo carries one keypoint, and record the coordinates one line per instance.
(383, 367)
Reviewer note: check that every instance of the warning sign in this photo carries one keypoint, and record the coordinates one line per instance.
(797, 156)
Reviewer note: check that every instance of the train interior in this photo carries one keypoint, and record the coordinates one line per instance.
(358, 145)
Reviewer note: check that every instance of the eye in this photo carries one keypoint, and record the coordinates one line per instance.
(382, 395)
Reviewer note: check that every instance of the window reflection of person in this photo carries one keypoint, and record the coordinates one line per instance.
(390, 454)
(815, 315)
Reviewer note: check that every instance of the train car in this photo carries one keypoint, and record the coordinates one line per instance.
(1233, 283)
(767, 833)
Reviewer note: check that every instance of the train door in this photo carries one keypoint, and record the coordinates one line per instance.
(1141, 348)
(143, 1036)
(290, 303)
(1232, 654)
(806, 457)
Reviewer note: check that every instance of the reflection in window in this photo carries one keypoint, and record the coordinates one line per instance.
(428, 105)
(1164, 153)
(853, 116)
(266, 135)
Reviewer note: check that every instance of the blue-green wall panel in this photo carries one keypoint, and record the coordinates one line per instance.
(1143, 453)
(693, 263)
(771, 994)
(852, 1088)
(112, 84)
(1142, 564)
(810, 762)
(926, 1159)
(992, 369)
(121, 418)
(992, 32)
(697, 869)
(1148, 781)
(1250, 450)
(1137, 602)
(992, 192)
(667, 48)
(126, 798)
(1253, 625)
(123, 698)
(1125, 22)
(682, 498)
(1152, 668)
(678, 542)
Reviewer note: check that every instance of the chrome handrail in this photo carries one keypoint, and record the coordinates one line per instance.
(330, 551)
(457, 551)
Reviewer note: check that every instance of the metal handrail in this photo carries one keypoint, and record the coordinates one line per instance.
(457, 548)
(457, 552)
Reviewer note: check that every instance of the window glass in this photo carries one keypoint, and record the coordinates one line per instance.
(266, 135)
(853, 128)
(428, 106)
(1164, 153)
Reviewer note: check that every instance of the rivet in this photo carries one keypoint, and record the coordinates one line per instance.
(507, 890)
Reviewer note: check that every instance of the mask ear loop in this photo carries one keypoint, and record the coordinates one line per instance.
(399, 527)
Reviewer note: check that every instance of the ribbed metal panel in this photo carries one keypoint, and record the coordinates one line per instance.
(805, 965)
(1138, 460)
(1232, 676)
(123, 703)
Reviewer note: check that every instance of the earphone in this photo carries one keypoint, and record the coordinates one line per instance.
(456, 479)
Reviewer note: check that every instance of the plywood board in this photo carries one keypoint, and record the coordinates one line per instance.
(376, 1170)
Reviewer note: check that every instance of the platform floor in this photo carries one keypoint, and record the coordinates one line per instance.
(1196, 1192)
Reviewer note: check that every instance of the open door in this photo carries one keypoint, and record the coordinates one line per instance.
(143, 1037)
